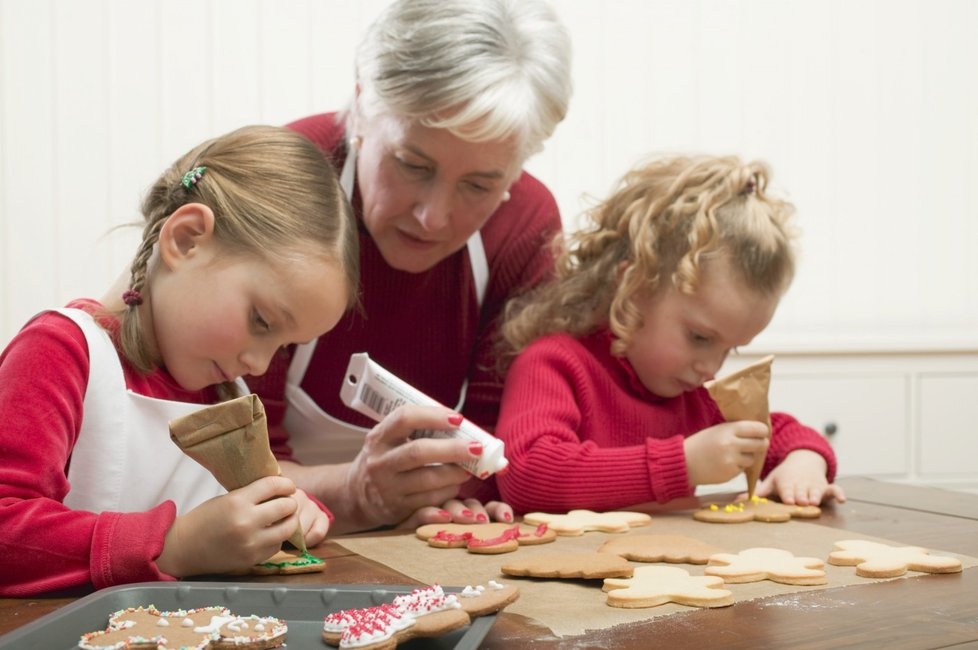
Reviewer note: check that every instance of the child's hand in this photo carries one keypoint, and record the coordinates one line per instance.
(231, 532)
(313, 520)
(468, 511)
(719, 453)
(800, 480)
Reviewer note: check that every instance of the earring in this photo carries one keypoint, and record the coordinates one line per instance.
(356, 142)
(506, 196)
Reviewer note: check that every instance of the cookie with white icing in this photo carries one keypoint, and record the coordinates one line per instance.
(424, 613)
(191, 629)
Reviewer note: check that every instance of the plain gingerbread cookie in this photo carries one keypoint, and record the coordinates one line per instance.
(675, 549)
(583, 564)
(577, 522)
(658, 585)
(774, 564)
(875, 560)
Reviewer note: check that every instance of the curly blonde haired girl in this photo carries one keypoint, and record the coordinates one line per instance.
(604, 404)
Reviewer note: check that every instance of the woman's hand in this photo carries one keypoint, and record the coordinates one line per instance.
(719, 453)
(394, 476)
(231, 532)
(800, 480)
(460, 511)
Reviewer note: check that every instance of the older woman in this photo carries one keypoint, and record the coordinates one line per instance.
(452, 96)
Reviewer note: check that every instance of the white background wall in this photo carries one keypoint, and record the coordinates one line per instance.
(866, 109)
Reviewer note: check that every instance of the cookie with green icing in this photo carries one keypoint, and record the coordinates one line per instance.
(287, 562)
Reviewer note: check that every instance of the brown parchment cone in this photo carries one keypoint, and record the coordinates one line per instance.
(230, 439)
(743, 396)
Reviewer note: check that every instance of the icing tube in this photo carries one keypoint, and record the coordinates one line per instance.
(370, 389)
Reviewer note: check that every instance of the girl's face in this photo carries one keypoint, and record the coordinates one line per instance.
(425, 191)
(684, 339)
(217, 317)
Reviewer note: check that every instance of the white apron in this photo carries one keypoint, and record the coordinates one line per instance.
(317, 437)
(124, 460)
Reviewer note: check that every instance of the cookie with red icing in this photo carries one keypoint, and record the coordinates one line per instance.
(490, 538)
(191, 629)
(424, 613)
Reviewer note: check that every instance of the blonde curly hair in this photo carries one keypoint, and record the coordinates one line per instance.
(666, 219)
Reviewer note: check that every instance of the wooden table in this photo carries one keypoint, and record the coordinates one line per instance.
(920, 612)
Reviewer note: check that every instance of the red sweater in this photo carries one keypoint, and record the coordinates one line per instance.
(44, 545)
(424, 327)
(581, 431)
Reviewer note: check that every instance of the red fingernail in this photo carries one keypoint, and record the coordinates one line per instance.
(475, 448)
(467, 513)
(455, 419)
(481, 518)
(444, 513)
(507, 516)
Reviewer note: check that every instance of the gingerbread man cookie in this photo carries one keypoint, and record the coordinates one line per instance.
(484, 538)
(288, 562)
(196, 629)
(577, 522)
(875, 560)
(774, 564)
(675, 549)
(583, 564)
(754, 509)
(425, 612)
(658, 585)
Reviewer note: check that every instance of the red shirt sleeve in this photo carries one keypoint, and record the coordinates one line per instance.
(44, 545)
(575, 439)
(788, 435)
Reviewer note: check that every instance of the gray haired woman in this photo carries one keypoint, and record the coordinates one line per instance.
(451, 98)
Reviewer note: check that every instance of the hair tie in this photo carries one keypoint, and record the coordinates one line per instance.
(749, 187)
(190, 178)
(132, 298)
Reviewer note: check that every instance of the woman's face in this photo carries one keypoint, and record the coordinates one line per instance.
(426, 191)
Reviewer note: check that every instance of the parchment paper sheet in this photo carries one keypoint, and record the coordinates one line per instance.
(571, 607)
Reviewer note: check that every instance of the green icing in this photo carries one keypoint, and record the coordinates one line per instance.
(304, 560)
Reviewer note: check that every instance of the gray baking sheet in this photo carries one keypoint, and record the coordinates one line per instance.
(302, 607)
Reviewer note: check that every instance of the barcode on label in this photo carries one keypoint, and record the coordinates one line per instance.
(378, 403)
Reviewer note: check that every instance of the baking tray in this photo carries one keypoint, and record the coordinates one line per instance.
(302, 607)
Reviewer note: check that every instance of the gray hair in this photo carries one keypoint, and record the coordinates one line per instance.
(483, 69)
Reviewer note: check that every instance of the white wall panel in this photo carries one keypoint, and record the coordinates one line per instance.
(867, 111)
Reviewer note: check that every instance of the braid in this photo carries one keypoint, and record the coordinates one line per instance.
(142, 356)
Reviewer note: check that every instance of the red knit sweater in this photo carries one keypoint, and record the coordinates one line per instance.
(581, 431)
(424, 327)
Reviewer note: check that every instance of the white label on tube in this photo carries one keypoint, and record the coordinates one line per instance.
(370, 389)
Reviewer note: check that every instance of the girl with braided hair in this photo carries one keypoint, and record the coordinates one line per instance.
(249, 245)
(604, 405)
